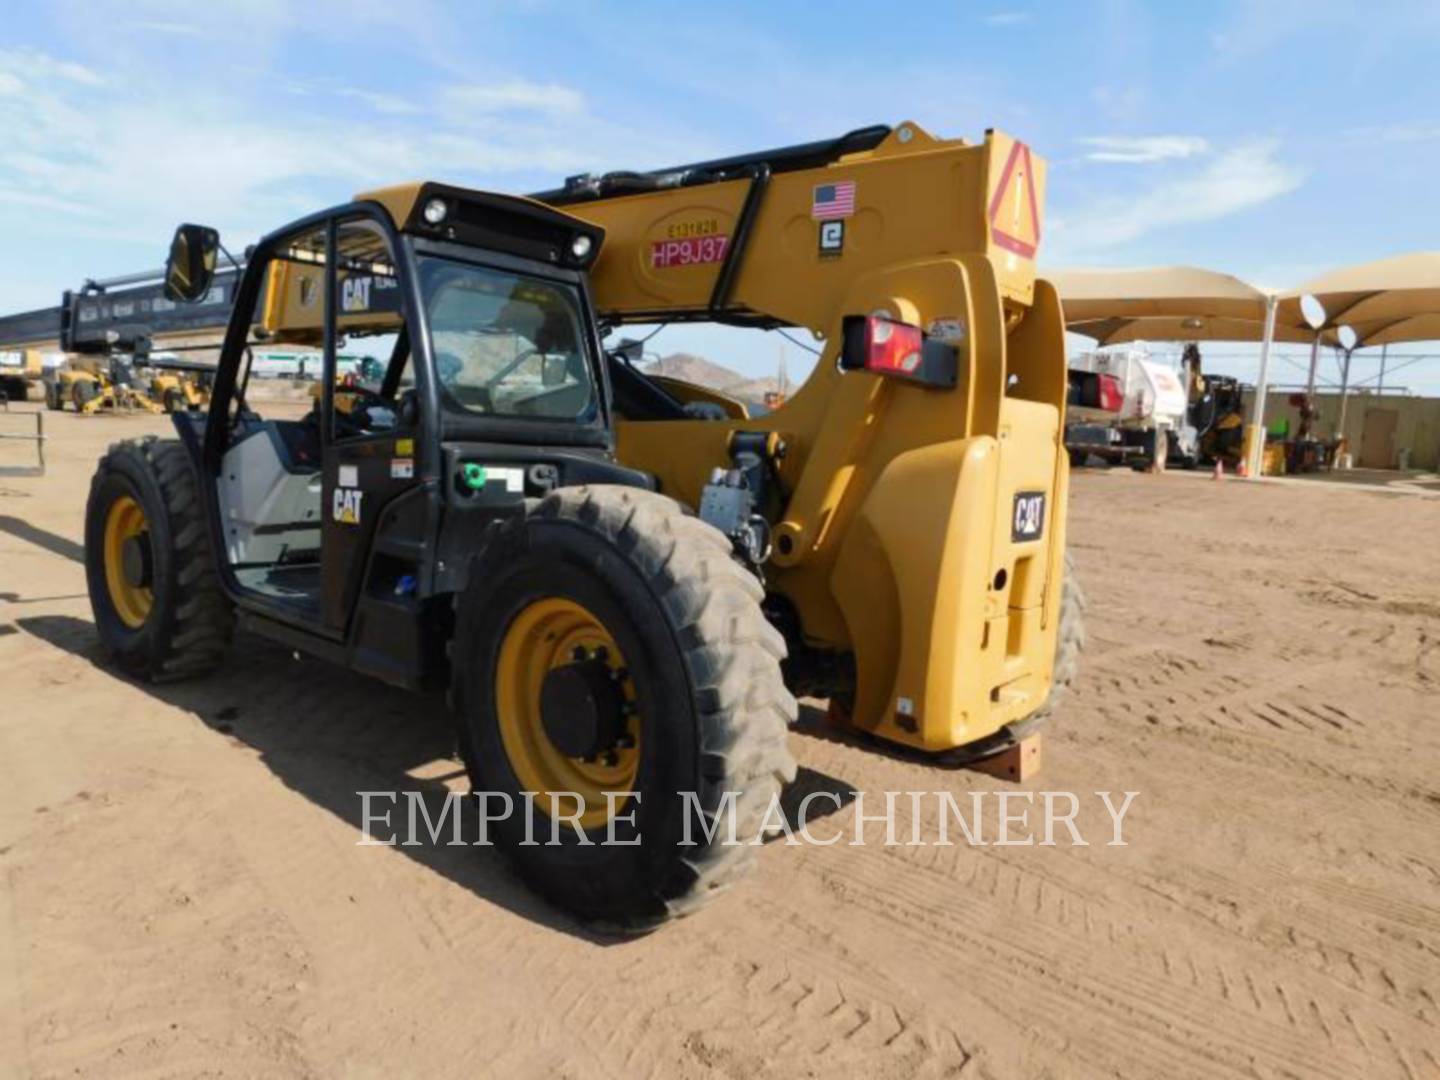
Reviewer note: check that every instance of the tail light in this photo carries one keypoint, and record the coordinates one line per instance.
(885, 347)
(1112, 398)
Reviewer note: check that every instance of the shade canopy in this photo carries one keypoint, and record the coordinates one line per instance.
(1118, 330)
(1156, 292)
(1386, 301)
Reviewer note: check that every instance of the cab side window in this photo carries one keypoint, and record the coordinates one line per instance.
(372, 376)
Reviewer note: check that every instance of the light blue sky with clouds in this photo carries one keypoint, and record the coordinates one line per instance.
(1272, 140)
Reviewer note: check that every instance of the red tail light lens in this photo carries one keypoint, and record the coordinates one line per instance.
(892, 348)
(1111, 396)
(886, 347)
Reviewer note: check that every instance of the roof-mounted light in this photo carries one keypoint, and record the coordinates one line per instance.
(435, 211)
(581, 247)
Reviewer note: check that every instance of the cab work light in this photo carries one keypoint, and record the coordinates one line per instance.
(883, 346)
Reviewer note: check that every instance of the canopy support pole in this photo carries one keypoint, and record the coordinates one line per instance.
(1344, 398)
(1383, 350)
(1314, 366)
(1257, 407)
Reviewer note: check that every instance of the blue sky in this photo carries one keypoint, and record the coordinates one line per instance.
(1272, 140)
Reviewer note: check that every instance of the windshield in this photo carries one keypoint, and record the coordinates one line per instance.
(505, 344)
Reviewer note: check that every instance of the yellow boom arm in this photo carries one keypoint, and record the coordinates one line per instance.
(896, 546)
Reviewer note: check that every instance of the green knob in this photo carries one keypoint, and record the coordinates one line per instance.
(474, 476)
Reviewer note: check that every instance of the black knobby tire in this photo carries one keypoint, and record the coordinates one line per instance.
(1069, 641)
(174, 401)
(191, 621)
(53, 400)
(706, 666)
(82, 392)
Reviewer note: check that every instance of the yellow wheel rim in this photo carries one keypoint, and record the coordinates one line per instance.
(123, 521)
(547, 634)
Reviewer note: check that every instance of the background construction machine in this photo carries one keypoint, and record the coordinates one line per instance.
(607, 569)
(18, 369)
(95, 381)
(107, 331)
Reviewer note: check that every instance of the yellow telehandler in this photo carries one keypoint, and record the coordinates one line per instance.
(607, 570)
(92, 382)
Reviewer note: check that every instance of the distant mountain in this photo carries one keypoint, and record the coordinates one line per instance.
(702, 372)
(695, 369)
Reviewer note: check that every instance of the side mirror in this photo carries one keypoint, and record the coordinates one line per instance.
(191, 266)
(555, 371)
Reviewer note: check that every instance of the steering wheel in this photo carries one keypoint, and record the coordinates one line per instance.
(519, 359)
(357, 420)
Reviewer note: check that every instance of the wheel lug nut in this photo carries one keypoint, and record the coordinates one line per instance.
(601, 653)
(578, 653)
(612, 758)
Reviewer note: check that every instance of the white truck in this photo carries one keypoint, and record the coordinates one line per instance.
(1128, 406)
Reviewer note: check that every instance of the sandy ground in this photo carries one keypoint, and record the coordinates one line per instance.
(181, 893)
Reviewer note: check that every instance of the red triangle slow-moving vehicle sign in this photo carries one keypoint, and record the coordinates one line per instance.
(1013, 201)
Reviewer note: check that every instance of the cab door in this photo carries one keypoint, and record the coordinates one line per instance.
(370, 431)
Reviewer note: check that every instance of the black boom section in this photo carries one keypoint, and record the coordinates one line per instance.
(782, 159)
(96, 319)
(30, 328)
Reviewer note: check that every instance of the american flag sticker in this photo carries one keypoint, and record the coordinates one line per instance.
(833, 201)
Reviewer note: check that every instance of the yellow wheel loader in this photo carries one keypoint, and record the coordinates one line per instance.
(174, 392)
(623, 581)
(174, 385)
(91, 383)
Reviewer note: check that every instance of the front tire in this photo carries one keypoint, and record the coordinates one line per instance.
(82, 392)
(703, 706)
(154, 588)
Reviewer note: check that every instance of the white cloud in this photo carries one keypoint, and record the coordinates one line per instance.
(1242, 177)
(38, 67)
(1421, 132)
(1142, 149)
(389, 104)
(1008, 18)
(122, 163)
(516, 96)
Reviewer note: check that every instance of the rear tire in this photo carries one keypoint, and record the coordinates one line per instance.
(1069, 641)
(53, 400)
(712, 706)
(184, 626)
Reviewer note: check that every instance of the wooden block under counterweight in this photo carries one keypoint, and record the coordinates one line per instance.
(1019, 763)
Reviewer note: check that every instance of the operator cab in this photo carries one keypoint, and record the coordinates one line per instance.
(460, 370)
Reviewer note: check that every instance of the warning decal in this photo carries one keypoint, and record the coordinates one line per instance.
(1014, 212)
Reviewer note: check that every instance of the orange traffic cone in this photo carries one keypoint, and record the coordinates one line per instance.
(1219, 470)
